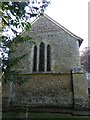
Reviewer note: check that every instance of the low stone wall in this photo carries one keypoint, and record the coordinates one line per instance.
(64, 90)
(42, 90)
(80, 89)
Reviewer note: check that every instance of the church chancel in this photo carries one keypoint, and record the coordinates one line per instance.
(51, 69)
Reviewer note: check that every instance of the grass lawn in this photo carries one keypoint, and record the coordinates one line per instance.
(12, 115)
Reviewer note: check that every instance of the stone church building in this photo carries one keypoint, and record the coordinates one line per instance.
(51, 70)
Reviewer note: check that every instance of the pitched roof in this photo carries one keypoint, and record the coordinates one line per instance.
(80, 40)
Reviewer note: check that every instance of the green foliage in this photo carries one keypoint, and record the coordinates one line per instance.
(13, 14)
(18, 20)
(13, 59)
(16, 40)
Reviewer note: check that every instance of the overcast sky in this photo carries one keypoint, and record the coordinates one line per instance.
(72, 14)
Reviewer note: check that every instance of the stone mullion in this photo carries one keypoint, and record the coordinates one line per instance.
(38, 50)
(31, 61)
(45, 58)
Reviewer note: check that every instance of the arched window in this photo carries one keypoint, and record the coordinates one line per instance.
(41, 57)
(48, 58)
(35, 59)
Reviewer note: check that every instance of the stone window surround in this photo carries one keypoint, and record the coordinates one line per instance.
(38, 53)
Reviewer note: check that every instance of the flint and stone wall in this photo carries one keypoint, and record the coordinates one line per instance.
(58, 87)
(43, 90)
(49, 90)
(64, 47)
(80, 89)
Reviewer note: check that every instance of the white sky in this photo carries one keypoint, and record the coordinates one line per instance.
(73, 15)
